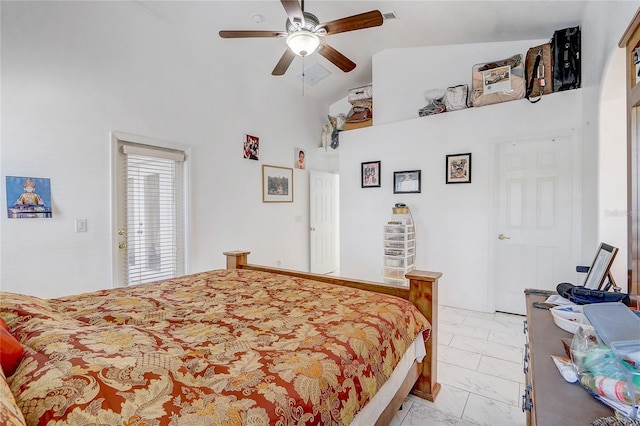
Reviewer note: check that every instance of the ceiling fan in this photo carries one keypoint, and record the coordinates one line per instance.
(304, 34)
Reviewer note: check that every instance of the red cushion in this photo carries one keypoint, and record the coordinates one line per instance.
(11, 350)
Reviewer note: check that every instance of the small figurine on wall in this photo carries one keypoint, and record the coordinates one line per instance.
(24, 202)
(299, 158)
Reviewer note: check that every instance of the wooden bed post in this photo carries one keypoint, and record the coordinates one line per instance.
(236, 258)
(423, 292)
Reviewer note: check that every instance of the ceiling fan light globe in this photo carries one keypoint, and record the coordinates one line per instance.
(303, 42)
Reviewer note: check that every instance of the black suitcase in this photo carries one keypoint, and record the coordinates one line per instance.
(566, 59)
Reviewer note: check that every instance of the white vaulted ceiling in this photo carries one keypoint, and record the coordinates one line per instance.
(419, 23)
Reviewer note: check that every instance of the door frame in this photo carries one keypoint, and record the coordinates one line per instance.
(115, 137)
(574, 135)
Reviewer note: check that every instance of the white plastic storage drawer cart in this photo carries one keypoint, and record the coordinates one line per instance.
(399, 251)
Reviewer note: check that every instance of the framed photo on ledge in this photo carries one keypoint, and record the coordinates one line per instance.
(406, 182)
(458, 168)
(277, 184)
(370, 174)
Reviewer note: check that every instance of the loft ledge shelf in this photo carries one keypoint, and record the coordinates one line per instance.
(328, 151)
(483, 107)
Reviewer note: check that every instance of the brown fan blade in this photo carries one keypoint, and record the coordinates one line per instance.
(355, 22)
(250, 33)
(341, 61)
(294, 11)
(284, 62)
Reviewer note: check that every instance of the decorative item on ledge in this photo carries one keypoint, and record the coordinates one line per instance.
(331, 131)
(358, 125)
(361, 113)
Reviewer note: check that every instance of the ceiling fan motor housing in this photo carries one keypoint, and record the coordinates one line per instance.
(310, 23)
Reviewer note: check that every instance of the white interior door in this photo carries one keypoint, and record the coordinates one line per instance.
(535, 215)
(323, 222)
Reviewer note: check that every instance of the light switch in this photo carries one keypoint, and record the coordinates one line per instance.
(81, 225)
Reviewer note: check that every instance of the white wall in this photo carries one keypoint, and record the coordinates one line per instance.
(603, 128)
(72, 72)
(453, 222)
(612, 165)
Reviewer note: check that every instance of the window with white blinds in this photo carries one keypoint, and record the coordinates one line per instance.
(152, 213)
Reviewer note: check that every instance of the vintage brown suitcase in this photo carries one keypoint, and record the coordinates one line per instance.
(539, 70)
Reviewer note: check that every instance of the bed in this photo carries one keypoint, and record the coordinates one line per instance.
(246, 345)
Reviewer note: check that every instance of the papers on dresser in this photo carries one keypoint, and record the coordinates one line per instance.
(556, 299)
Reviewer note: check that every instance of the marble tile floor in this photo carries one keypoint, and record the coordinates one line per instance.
(479, 369)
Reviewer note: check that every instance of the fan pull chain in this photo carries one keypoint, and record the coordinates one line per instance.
(303, 77)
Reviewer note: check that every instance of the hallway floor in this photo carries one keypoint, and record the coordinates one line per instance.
(479, 369)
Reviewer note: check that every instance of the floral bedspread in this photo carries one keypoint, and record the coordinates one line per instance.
(226, 347)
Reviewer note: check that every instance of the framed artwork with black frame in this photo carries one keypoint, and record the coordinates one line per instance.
(458, 168)
(406, 182)
(370, 174)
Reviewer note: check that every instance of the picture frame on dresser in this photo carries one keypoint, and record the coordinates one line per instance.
(599, 269)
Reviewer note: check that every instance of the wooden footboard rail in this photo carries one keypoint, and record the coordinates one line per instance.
(422, 292)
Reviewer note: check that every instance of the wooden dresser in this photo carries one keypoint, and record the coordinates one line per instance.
(551, 400)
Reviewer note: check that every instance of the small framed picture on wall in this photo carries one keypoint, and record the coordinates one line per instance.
(251, 147)
(28, 197)
(458, 168)
(298, 158)
(370, 174)
(407, 182)
(277, 184)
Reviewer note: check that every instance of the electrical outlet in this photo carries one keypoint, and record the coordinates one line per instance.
(81, 225)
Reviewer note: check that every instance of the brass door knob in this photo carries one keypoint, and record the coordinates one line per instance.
(503, 237)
